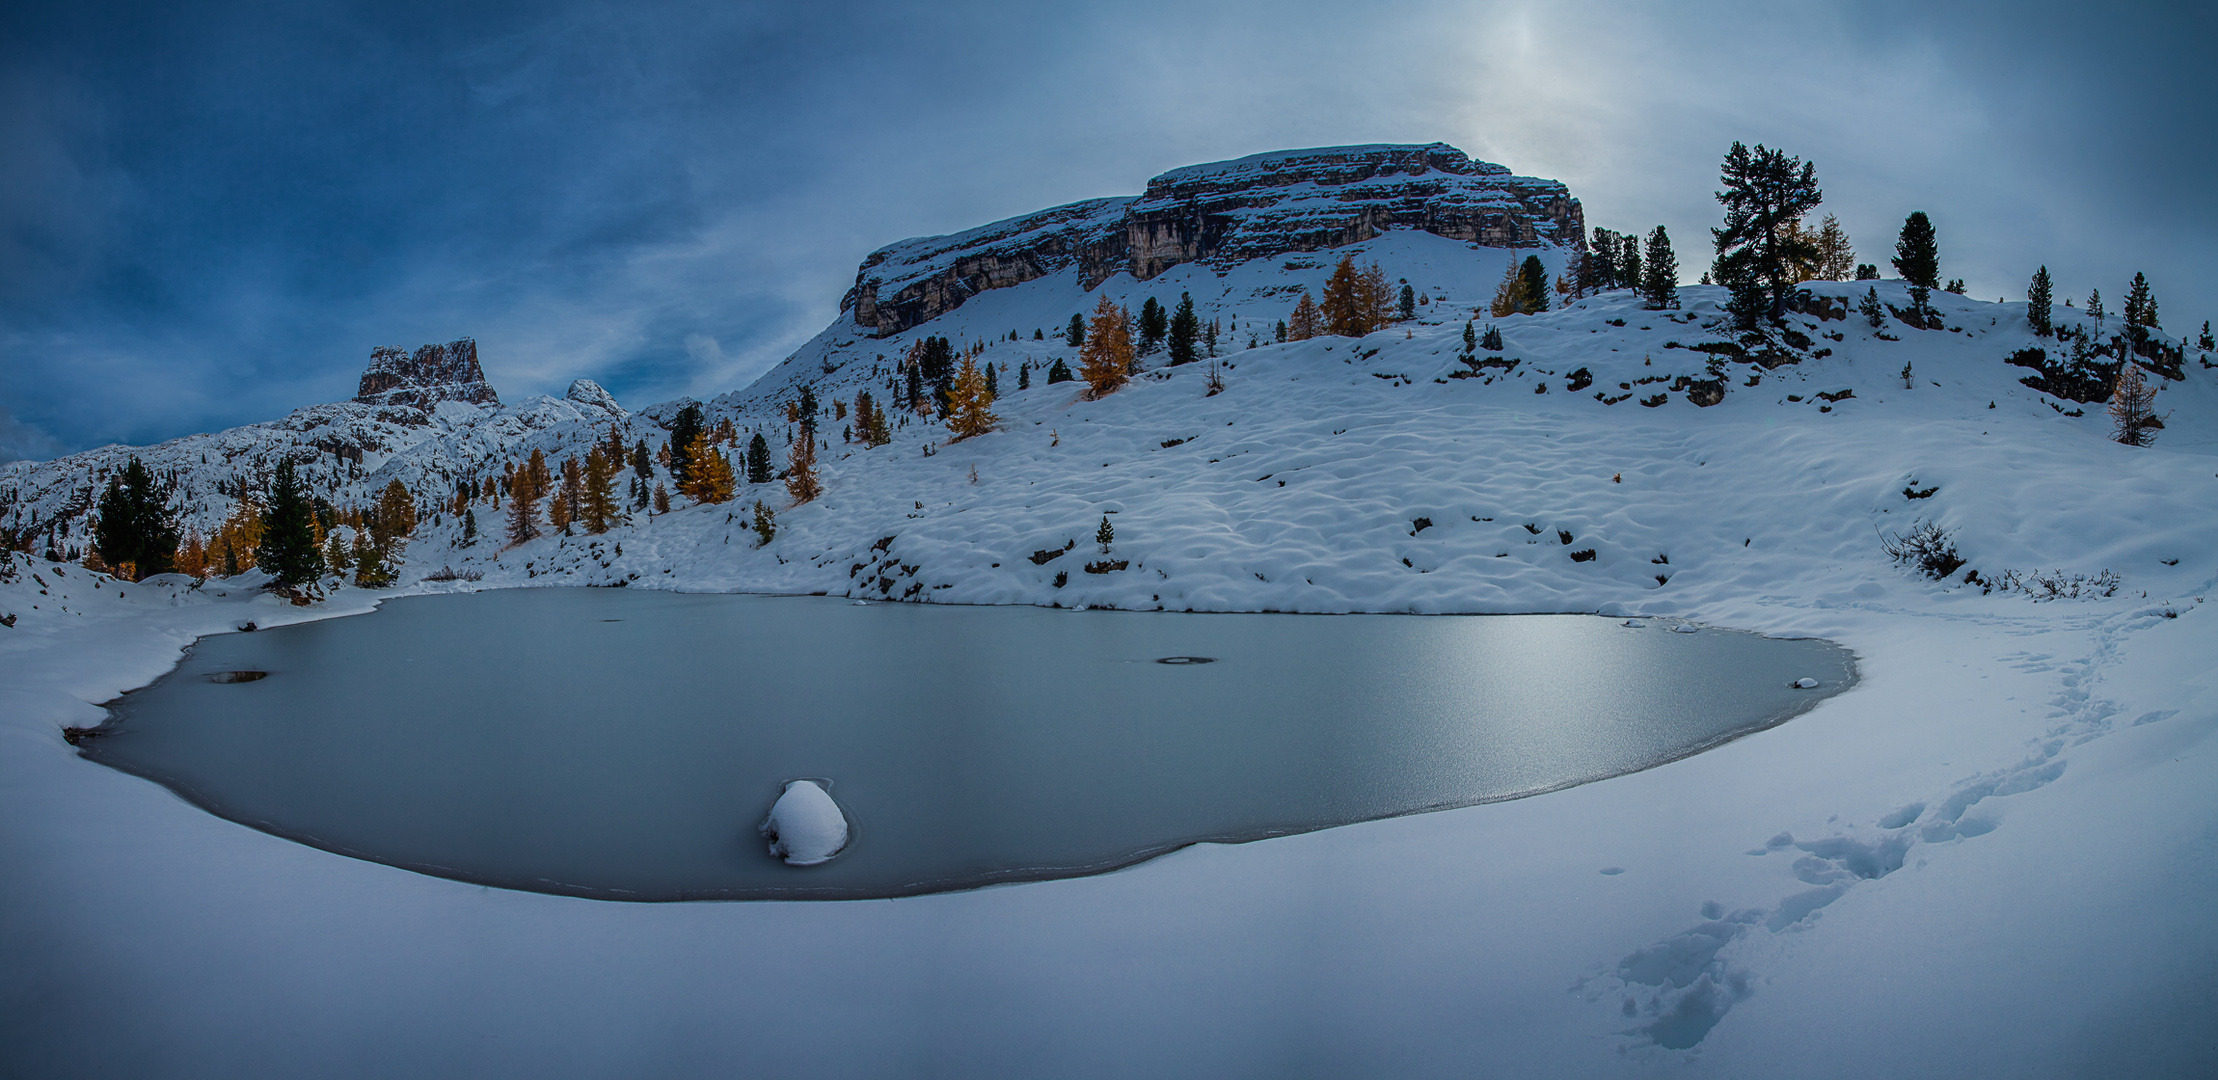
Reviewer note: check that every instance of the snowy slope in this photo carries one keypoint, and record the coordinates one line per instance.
(1989, 859)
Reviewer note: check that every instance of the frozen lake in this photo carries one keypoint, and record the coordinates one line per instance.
(625, 744)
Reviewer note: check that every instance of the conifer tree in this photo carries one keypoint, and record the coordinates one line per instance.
(1508, 293)
(1341, 303)
(524, 493)
(1917, 252)
(2039, 305)
(469, 527)
(338, 555)
(136, 533)
(1491, 341)
(1598, 267)
(1765, 190)
(597, 507)
(394, 516)
(558, 511)
(1058, 372)
(288, 548)
(1076, 335)
(662, 498)
(766, 523)
(801, 480)
(1105, 535)
(1024, 375)
(2133, 408)
(1105, 362)
(712, 473)
(1470, 338)
(993, 382)
(1533, 281)
(1660, 285)
(1836, 256)
(2094, 309)
(1154, 322)
(1306, 322)
(683, 431)
(1867, 272)
(1628, 260)
(2140, 304)
(1870, 308)
(1185, 332)
(972, 415)
(758, 459)
(2207, 343)
(1407, 308)
(372, 569)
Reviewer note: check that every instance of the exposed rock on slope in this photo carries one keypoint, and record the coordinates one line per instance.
(434, 374)
(1228, 211)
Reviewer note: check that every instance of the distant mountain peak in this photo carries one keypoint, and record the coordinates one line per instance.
(434, 373)
(1223, 212)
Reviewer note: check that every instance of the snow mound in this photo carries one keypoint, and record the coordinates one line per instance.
(805, 826)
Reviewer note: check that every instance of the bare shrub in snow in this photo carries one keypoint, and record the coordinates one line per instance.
(1926, 548)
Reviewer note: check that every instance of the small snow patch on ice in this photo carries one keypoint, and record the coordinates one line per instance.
(1805, 683)
(805, 826)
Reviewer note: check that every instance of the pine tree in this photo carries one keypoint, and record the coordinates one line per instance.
(1076, 335)
(758, 459)
(2140, 304)
(1765, 190)
(1105, 535)
(1836, 257)
(972, 415)
(1185, 332)
(1660, 286)
(683, 430)
(1058, 372)
(993, 382)
(1154, 322)
(766, 523)
(1105, 362)
(1628, 261)
(1867, 272)
(2039, 305)
(1532, 279)
(1870, 308)
(2094, 309)
(372, 570)
(288, 548)
(1024, 375)
(469, 527)
(1491, 341)
(338, 555)
(2207, 343)
(136, 534)
(1470, 338)
(1407, 308)
(1917, 252)
(2133, 408)
(1598, 267)
(801, 480)
(1306, 322)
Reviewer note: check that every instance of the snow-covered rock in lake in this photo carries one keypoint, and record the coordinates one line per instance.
(805, 826)
(1805, 684)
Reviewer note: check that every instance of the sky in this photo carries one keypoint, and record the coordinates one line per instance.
(211, 212)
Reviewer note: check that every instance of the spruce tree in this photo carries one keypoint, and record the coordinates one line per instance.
(288, 548)
(1185, 332)
(2141, 304)
(1765, 191)
(1105, 535)
(1154, 323)
(1059, 372)
(1660, 283)
(1917, 252)
(2039, 304)
(1532, 278)
(2094, 308)
(683, 431)
(1024, 375)
(135, 530)
(758, 460)
(2207, 343)
(1076, 335)
(1408, 306)
(1628, 260)
(1867, 271)
(993, 382)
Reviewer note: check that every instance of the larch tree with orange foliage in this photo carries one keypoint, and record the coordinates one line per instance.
(1105, 361)
(1305, 323)
(970, 403)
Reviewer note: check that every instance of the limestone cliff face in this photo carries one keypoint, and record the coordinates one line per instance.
(1226, 212)
(434, 374)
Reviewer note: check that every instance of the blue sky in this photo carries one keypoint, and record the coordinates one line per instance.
(209, 213)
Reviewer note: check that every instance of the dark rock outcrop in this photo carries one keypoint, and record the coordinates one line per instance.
(434, 374)
(1224, 213)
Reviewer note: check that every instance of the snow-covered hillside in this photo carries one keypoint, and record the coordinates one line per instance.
(1994, 851)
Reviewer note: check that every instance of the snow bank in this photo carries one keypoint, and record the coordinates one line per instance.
(805, 826)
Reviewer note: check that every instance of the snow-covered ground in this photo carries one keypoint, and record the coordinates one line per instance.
(1993, 857)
